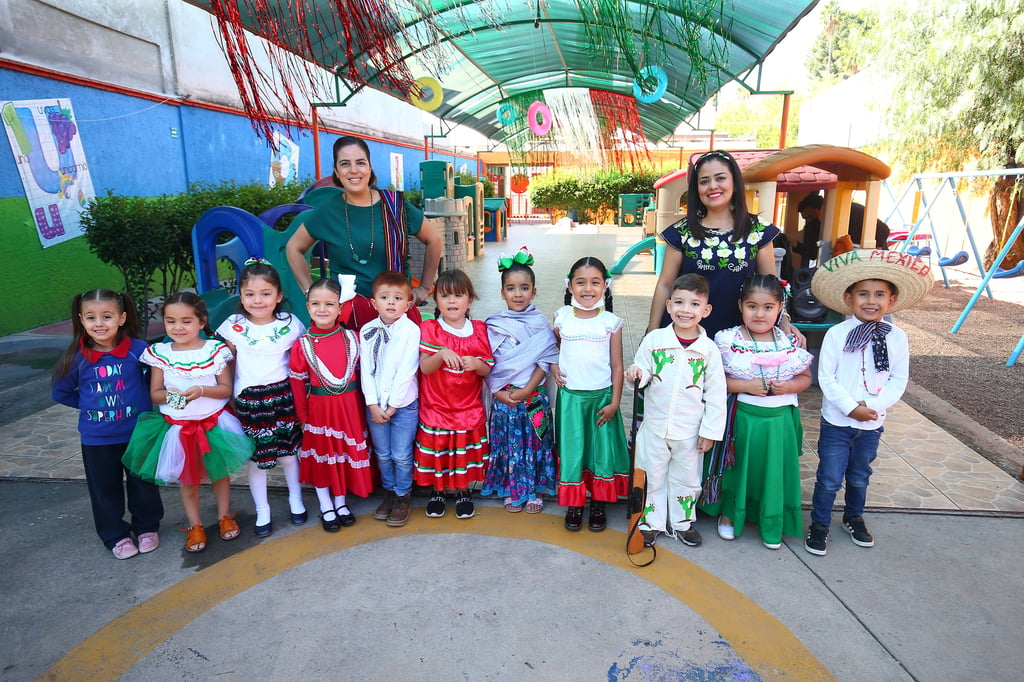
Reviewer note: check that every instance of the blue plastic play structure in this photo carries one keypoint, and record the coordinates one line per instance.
(251, 237)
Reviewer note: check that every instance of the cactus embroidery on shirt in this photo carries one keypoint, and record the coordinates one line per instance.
(661, 358)
(699, 366)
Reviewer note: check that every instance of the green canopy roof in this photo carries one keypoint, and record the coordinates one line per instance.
(484, 52)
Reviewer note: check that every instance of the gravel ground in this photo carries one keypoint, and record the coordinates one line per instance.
(968, 369)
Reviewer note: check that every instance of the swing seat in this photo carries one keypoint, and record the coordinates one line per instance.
(919, 251)
(1012, 272)
(958, 259)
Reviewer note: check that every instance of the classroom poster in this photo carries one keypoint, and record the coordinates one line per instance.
(47, 148)
(284, 163)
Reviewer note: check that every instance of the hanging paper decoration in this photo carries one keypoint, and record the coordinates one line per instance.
(539, 118)
(520, 183)
(576, 129)
(643, 89)
(613, 36)
(427, 93)
(622, 131)
(507, 114)
(366, 34)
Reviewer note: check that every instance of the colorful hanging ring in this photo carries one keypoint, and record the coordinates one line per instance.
(540, 118)
(507, 114)
(427, 93)
(646, 74)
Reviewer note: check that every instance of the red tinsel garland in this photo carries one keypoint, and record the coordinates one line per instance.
(364, 33)
(619, 116)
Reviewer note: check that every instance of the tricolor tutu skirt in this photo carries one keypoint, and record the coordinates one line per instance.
(165, 450)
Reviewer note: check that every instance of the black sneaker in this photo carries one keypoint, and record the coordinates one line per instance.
(816, 538)
(650, 537)
(464, 505)
(435, 507)
(690, 537)
(858, 531)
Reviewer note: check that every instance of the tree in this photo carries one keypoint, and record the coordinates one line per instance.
(742, 114)
(841, 49)
(958, 68)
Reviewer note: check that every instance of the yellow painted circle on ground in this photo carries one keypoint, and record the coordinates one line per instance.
(765, 644)
(427, 93)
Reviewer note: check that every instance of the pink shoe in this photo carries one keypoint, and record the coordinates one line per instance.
(148, 542)
(125, 549)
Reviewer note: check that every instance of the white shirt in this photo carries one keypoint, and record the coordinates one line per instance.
(843, 384)
(684, 387)
(584, 353)
(261, 350)
(390, 380)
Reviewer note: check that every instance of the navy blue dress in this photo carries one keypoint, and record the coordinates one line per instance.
(725, 264)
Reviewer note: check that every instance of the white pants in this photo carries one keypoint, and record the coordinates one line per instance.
(674, 470)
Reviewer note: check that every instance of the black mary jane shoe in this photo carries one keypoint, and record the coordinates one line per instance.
(597, 521)
(574, 518)
(263, 531)
(332, 526)
(346, 518)
(300, 518)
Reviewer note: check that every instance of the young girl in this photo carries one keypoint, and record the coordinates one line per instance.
(334, 457)
(101, 376)
(193, 438)
(451, 441)
(260, 335)
(522, 466)
(588, 425)
(766, 371)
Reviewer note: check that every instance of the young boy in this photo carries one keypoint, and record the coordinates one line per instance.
(684, 411)
(862, 371)
(389, 358)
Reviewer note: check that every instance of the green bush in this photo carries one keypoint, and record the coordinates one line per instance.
(591, 192)
(149, 239)
(470, 179)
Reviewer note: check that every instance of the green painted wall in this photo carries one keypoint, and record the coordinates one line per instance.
(38, 284)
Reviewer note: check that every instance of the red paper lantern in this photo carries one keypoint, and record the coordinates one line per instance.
(520, 183)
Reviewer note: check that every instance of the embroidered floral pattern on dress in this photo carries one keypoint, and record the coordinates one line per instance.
(717, 252)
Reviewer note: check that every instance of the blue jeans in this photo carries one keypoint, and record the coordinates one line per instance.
(843, 452)
(392, 442)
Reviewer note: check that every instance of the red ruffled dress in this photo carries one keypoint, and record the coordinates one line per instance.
(451, 442)
(323, 374)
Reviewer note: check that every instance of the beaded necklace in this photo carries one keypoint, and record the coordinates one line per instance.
(864, 375)
(330, 384)
(348, 234)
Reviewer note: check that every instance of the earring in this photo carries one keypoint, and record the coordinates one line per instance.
(702, 211)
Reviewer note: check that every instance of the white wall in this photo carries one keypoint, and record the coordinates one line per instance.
(171, 47)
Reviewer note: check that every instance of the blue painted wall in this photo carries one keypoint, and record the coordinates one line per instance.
(137, 146)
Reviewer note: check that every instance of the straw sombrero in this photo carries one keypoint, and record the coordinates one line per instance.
(912, 277)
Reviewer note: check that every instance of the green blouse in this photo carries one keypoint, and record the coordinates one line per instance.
(359, 251)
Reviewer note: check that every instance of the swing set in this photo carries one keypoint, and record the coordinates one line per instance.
(922, 200)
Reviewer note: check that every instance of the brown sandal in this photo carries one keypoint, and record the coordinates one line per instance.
(195, 541)
(228, 527)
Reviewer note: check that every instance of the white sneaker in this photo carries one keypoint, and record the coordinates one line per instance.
(726, 530)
